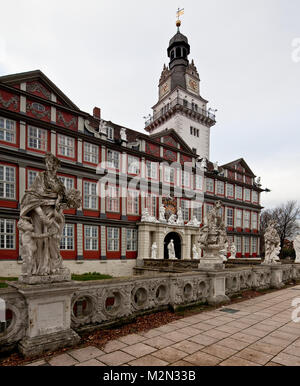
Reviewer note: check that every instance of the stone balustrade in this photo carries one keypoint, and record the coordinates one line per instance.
(100, 303)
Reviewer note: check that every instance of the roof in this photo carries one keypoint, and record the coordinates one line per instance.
(241, 162)
(40, 76)
(177, 38)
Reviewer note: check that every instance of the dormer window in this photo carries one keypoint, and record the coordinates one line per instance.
(110, 133)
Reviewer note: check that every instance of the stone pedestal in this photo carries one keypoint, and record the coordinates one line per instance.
(217, 288)
(63, 275)
(211, 259)
(49, 317)
(276, 276)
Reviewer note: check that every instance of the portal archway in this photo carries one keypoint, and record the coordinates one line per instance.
(177, 244)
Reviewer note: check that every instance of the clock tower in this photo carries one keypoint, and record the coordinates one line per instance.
(180, 105)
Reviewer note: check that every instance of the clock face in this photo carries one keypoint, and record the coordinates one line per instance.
(164, 89)
(193, 85)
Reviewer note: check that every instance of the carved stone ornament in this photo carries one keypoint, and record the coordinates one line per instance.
(91, 129)
(272, 244)
(41, 225)
(296, 245)
(147, 218)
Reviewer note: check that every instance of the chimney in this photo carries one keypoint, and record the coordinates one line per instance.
(97, 113)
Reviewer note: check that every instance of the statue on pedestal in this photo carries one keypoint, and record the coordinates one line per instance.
(171, 250)
(272, 244)
(296, 244)
(123, 134)
(213, 238)
(162, 214)
(233, 251)
(196, 255)
(154, 251)
(42, 222)
(179, 217)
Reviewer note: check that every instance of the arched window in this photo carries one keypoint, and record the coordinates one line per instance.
(178, 52)
(172, 54)
(184, 52)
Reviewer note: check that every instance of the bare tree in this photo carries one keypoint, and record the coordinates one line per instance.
(286, 216)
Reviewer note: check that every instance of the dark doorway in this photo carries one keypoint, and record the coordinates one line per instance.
(177, 244)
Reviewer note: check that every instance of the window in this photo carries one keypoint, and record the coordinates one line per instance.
(231, 174)
(198, 182)
(246, 219)
(238, 244)
(220, 188)
(37, 138)
(151, 204)
(7, 234)
(91, 240)
(110, 133)
(133, 202)
(208, 208)
(254, 196)
(112, 199)
(197, 211)
(113, 159)
(246, 244)
(66, 146)
(7, 182)
(131, 240)
(7, 130)
(238, 218)
(133, 165)
(229, 217)
(67, 181)
(248, 180)
(254, 220)
(195, 132)
(113, 237)
(185, 210)
(185, 178)
(152, 168)
(240, 177)
(91, 153)
(169, 174)
(253, 245)
(31, 175)
(239, 192)
(210, 185)
(38, 107)
(67, 240)
(229, 190)
(90, 200)
(247, 194)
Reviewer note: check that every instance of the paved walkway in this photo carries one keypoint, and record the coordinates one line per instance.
(256, 332)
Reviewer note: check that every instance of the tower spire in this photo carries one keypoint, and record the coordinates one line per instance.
(178, 21)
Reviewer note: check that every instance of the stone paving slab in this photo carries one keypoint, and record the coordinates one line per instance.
(259, 333)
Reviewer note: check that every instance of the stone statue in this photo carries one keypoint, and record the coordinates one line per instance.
(213, 238)
(179, 217)
(147, 218)
(172, 219)
(154, 251)
(41, 225)
(162, 214)
(272, 244)
(233, 251)
(123, 134)
(203, 164)
(194, 222)
(296, 244)
(216, 167)
(171, 250)
(195, 253)
(258, 181)
(103, 126)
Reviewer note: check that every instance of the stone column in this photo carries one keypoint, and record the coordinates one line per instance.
(22, 182)
(217, 288)
(276, 276)
(22, 135)
(53, 142)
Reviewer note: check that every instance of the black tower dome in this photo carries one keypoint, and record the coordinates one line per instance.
(178, 50)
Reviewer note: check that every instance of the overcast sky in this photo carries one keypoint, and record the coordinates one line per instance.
(110, 53)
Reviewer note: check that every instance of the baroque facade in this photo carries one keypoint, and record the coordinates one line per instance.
(120, 172)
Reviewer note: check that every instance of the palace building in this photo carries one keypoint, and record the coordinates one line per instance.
(120, 173)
